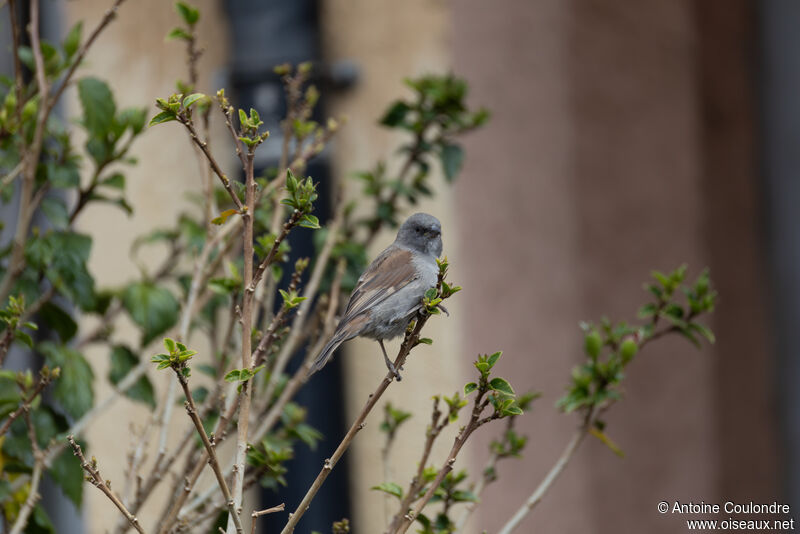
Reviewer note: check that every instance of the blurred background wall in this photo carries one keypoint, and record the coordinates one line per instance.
(625, 136)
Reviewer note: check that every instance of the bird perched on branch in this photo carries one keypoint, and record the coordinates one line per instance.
(389, 293)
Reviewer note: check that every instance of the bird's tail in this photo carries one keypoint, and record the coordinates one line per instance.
(327, 353)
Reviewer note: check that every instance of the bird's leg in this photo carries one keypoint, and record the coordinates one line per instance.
(389, 363)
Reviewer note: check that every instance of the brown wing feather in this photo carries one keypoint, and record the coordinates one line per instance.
(390, 271)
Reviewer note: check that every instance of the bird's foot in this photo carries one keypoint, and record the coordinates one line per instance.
(393, 369)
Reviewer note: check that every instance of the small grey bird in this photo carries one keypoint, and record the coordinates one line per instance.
(389, 293)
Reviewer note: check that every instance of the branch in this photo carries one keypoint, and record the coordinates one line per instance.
(246, 394)
(45, 377)
(36, 479)
(409, 342)
(299, 378)
(588, 422)
(103, 485)
(475, 422)
(255, 515)
(16, 263)
(18, 81)
(309, 292)
(552, 475)
(203, 146)
(191, 409)
(484, 481)
(108, 16)
(417, 482)
(31, 157)
(268, 259)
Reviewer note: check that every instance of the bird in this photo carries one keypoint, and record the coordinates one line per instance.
(389, 292)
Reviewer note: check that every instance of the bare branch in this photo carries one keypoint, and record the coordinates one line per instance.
(191, 409)
(255, 515)
(551, 477)
(103, 485)
(203, 146)
(409, 342)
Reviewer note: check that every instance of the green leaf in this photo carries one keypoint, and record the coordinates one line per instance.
(66, 471)
(309, 221)
(606, 441)
(648, 310)
(493, 358)
(56, 212)
(63, 256)
(189, 14)
(452, 157)
(39, 522)
(73, 40)
(192, 99)
(153, 308)
(63, 176)
(123, 360)
(391, 488)
(98, 106)
(469, 388)
(58, 320)
(396, 114)
(592, 343)
(426, 340)
(703, 331)
(233, 376)
(223, 216)
(74, 389)
(501, 385)
(23, 337)
(161, 118)
(513, 410)
(178, 33)
(115, 181)
(133, 118)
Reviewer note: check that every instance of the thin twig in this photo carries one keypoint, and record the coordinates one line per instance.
(409, 342)
(16, 262)
(18, 81)
(290, 345)
(45, 376)
(203, 146)
(588, 422)
(475, 422)
(30, 502)
(191, 409)
(483, 481)
(246, 394)
(418, 481)
(36, 479)
(255, 515)
(103, 485)
(552, 475)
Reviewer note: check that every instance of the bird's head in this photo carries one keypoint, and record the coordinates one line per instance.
(423, 233)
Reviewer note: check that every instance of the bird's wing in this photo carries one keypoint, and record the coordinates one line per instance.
(387, 274)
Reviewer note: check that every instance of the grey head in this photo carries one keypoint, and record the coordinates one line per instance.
(423, 233)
